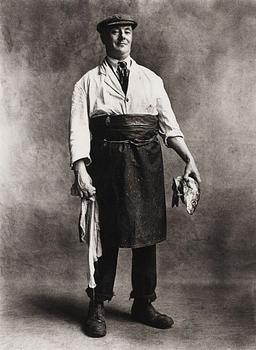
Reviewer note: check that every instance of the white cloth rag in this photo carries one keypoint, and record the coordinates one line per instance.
(90, 233)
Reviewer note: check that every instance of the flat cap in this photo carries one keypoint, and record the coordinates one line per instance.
(117, 19)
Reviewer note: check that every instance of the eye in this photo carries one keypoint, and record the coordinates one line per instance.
(114, 32)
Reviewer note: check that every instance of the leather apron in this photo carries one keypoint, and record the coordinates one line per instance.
(127, 171)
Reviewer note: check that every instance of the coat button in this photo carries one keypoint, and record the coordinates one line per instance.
(107, 121)
(127, 99)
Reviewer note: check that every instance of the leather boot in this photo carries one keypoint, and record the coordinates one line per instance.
(144, 312)
(95, 325)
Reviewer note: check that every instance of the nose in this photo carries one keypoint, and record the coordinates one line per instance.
(121, 34)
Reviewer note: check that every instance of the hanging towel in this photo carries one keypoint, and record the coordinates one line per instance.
(90, 233)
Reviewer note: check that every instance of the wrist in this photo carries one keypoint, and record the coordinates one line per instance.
(188, 159)
(79, 165)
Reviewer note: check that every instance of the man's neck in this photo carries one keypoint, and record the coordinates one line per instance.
(113, 61)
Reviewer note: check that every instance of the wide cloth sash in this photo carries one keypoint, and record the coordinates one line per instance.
(137, 128)
(127, 171)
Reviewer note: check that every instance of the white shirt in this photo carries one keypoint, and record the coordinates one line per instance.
(99, 92)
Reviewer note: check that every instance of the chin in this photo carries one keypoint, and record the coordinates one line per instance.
(123, 51)
(119, 53)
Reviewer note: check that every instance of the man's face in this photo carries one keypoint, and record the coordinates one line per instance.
(118, 40)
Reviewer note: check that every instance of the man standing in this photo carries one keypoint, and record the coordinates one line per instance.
(118, 109)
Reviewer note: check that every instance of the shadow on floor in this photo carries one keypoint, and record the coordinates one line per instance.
(221, 317)
(65, 308)
(61, 307)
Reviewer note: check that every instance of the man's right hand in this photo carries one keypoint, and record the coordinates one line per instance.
(83, 180)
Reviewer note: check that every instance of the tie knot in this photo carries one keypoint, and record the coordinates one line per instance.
(122, 65)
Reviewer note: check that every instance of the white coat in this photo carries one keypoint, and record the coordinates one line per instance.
(99, 92)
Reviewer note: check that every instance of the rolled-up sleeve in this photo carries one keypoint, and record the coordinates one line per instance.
(168, 125)
(79, 133)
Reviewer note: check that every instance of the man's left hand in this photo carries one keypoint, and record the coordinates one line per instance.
(191, 170)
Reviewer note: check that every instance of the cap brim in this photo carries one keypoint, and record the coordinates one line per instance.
(105, 26)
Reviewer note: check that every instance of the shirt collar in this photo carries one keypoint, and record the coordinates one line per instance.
(105, 65)
(113, 62)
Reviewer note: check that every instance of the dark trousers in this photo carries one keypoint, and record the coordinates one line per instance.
(144, 274)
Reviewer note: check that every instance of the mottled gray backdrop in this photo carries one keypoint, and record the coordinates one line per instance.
(206, 53)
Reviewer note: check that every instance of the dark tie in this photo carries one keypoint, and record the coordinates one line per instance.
(123, 73)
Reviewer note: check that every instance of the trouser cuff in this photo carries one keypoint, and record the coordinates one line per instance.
(149, 297)
(92, 294)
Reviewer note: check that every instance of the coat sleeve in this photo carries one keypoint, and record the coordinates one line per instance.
(79, 133)
(168, 125)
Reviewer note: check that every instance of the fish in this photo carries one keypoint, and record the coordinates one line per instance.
(188, 191)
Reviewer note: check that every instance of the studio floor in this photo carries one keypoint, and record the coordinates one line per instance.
(50, 316)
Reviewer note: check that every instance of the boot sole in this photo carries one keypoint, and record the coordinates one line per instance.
(151, 324)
